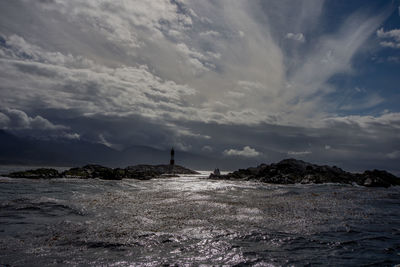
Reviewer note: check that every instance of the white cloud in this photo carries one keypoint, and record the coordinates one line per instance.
(199, 62)
(4, 120)
(104, 141)
(115, 19)
(393, 59)
(392, 35)
(185, 132)
(247, 151)
(210, 33)
(391, 120)
(299, 37)
(182, 146)
(68, 82)
(72, 136)
(390, 44)
(238, 95)
(395, 34)
(365, 102)
(393, 155)
(298, 153)
(207, 149)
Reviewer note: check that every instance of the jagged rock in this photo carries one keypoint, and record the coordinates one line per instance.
(160, 169)
(291, 171)
(92, 171)
(377, 178)
(141, 172)
(36, 174)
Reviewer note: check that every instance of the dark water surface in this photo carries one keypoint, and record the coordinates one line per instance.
(193, 221)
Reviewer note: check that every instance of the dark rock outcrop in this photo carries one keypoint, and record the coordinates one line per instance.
(141, 172)
(161, 169)
(92, 171)
(291, 171)
(145, 172)
(377, 178)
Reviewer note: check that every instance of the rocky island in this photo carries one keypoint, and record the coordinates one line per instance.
(292, 171)
(141, 172)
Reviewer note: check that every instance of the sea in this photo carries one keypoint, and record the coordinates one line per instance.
(192, 221)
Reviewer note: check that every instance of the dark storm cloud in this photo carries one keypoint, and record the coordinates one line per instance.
(16, 119)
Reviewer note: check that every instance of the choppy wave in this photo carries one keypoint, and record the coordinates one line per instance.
(193, 221)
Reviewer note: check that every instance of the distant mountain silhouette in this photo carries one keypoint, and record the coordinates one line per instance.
(30, 151)
(17, 150)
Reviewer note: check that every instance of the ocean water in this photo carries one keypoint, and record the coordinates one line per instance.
(191, 221)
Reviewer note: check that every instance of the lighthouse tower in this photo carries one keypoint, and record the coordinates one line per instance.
(172, 161)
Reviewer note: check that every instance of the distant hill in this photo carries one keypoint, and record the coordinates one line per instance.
(31, 151)
(17, 150)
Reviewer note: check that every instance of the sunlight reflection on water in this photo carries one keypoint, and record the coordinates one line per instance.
(191, 220)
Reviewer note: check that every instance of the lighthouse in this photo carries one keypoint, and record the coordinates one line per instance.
(172, 160)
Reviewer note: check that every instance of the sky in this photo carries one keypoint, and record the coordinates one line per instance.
(259, 80)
